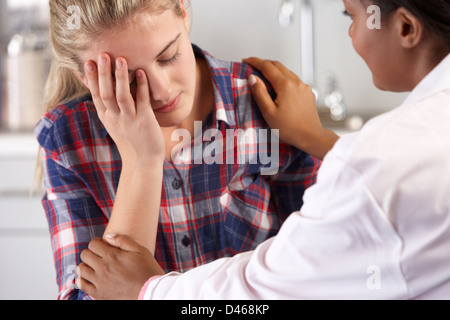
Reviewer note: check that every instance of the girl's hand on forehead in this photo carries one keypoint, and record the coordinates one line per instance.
(130, 122)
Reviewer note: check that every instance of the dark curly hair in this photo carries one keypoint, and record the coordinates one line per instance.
(434, 14)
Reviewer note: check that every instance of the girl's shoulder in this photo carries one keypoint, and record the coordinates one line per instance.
(81, 104)
(234, 101)
(69, 123)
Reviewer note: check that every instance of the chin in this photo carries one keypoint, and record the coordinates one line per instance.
(172, 119)
(389, 86)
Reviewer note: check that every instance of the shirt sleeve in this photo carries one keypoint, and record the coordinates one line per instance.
(339, 246)
(73, 215)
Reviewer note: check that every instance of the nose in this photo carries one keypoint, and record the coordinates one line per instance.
(160, 87)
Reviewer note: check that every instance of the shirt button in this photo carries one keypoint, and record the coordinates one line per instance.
(186, 241)
(176, 184)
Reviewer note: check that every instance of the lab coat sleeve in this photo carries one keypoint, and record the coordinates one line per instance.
(339, 246)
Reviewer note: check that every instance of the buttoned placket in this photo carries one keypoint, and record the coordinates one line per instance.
(176, 177)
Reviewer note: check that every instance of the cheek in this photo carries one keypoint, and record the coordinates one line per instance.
(360, 41)
(185, 72)
(366, 45)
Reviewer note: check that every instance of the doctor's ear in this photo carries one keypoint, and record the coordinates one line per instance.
(409, 28)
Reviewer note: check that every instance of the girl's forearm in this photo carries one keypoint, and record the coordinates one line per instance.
(137, 203)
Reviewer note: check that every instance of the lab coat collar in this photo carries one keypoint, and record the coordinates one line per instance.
(437, 80)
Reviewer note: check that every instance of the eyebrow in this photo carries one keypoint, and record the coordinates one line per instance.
(163, 50)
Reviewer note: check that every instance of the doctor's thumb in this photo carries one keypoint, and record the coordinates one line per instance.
(261, 95)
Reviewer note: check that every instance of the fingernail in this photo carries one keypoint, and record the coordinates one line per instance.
(119, 64)
(252, 80)
(78, 283)
(102, 61)
(89, 67)
(110, 235)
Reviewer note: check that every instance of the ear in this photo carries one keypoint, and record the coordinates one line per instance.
(81, 77)
(185, 15)
(409, 28)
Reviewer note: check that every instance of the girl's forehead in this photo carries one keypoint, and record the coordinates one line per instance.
(132, 39)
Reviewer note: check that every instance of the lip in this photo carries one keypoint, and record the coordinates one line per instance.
(170, 106)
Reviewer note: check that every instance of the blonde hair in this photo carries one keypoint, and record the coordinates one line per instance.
(95, 18)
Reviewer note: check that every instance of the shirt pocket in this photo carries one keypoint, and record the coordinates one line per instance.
(238, 184)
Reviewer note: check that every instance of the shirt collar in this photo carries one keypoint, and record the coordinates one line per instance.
(437, 80)
(223, 109)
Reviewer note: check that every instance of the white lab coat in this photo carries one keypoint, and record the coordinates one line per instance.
(375, 226)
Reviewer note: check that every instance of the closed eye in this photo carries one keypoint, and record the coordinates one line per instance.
(346, 13)
(170, 61)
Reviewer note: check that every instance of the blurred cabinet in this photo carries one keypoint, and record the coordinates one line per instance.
(26, 269)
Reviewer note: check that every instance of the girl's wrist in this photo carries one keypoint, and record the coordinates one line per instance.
(137, 163)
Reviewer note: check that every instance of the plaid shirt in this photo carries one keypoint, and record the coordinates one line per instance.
(208, 210)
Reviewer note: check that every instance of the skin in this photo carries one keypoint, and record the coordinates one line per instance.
(399, 57)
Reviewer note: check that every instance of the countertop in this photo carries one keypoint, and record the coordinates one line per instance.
(18, 145)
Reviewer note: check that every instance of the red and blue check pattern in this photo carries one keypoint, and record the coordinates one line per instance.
(208, 211)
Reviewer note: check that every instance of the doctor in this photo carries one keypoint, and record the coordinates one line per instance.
(377, 223)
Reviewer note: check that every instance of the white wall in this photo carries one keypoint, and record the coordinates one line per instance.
(234, 29)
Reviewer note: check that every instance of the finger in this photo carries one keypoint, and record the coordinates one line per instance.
(284, 70)
(99, 248)
(124, 243)
(254, 62)
(270, 72)
(275, 72)
(123, 94)
(143, 92)
(106, 83)
(86, 287)
(86, 272)
(90, 258)
(91, 72)
(262, 97)
(266, 67)
(260, 64)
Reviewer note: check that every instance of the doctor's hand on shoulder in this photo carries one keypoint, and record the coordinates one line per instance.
(294, 111)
